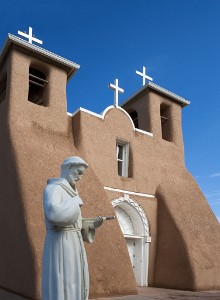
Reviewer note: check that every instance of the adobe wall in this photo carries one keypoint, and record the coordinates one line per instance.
(35, 141)
(185, 222)
(184, 213)
(147, 154)
(15, 250)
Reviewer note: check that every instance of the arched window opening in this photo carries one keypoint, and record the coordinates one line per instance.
(165, 118)
(37, 84)
(3, 86)
(134, 117)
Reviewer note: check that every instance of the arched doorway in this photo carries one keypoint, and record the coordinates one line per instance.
(135, 228)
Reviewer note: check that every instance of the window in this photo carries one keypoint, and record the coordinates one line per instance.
(122, 151)
(134, 117)
(165, 118)
(37, 84)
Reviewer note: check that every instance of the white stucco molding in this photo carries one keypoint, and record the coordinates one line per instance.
(103, 114)
(128, 192)
(125, 202)
(12, 39)
(88, 112)
(153, 86)
(144, 132)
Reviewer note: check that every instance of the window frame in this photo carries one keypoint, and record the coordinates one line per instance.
(125, 157)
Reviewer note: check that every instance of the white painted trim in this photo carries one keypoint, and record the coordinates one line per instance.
(73, 67)
(144, 132)
(69, 114)
(107, 109)
(102, 116)
(127, 200)
(168, 93)
(125, 156)
(76, 111)
(43, 51)
(128, 192)
(127, 236)
(120, 108)
(88, 112)
(126, 203)
(160, 89)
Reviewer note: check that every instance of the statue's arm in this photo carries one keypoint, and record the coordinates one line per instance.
(60, 210)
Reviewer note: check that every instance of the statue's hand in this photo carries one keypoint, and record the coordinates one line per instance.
(97, 222)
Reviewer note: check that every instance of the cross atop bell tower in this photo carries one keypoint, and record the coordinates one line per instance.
(30, 36)
(144, 75)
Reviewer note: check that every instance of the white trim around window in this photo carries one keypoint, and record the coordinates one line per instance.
(122, 155)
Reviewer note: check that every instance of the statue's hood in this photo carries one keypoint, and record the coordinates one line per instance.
(65, 185)
(59, 181)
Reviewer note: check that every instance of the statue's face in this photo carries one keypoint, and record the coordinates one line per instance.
(75, 174)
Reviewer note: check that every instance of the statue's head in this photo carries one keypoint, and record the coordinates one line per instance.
(72, 169)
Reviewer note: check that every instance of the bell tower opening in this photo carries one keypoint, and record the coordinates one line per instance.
(165, 118)
(37, 85)
(134, 117)
(3, 85)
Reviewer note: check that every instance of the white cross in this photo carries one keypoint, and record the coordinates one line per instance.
(117, 90)
(30, 36)
(144, 75)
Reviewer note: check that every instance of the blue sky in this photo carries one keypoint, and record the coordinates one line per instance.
(178, 41)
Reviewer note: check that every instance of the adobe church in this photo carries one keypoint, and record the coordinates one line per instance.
(165, 234)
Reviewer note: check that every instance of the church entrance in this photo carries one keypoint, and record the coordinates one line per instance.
(135, 228)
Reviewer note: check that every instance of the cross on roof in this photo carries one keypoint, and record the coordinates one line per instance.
(117, 90)
(144, 75)
(30, 36)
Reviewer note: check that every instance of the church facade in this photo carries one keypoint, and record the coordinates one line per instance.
(165, 234)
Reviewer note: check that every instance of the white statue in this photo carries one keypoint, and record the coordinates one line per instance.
(65, 273)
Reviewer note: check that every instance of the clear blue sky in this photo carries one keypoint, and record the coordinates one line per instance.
(178, 41)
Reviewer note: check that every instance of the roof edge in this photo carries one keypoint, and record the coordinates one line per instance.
(153, 86)
(12, 39)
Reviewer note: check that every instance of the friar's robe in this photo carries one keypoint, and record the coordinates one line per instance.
(65, 273)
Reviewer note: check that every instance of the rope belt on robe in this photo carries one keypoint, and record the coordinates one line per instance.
(67, 228)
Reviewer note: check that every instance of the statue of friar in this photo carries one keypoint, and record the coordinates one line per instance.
(65, 273)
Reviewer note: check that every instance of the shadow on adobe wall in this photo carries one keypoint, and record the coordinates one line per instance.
(15, 247)
(172, 264)
(188, 244)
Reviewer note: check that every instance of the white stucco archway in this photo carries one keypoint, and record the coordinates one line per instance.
(135, 228)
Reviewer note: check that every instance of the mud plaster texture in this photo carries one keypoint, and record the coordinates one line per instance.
(185, 247)
(186, 243)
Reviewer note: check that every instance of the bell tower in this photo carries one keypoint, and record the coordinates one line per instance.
(159, 111)
(36, 83)
(35, 137)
